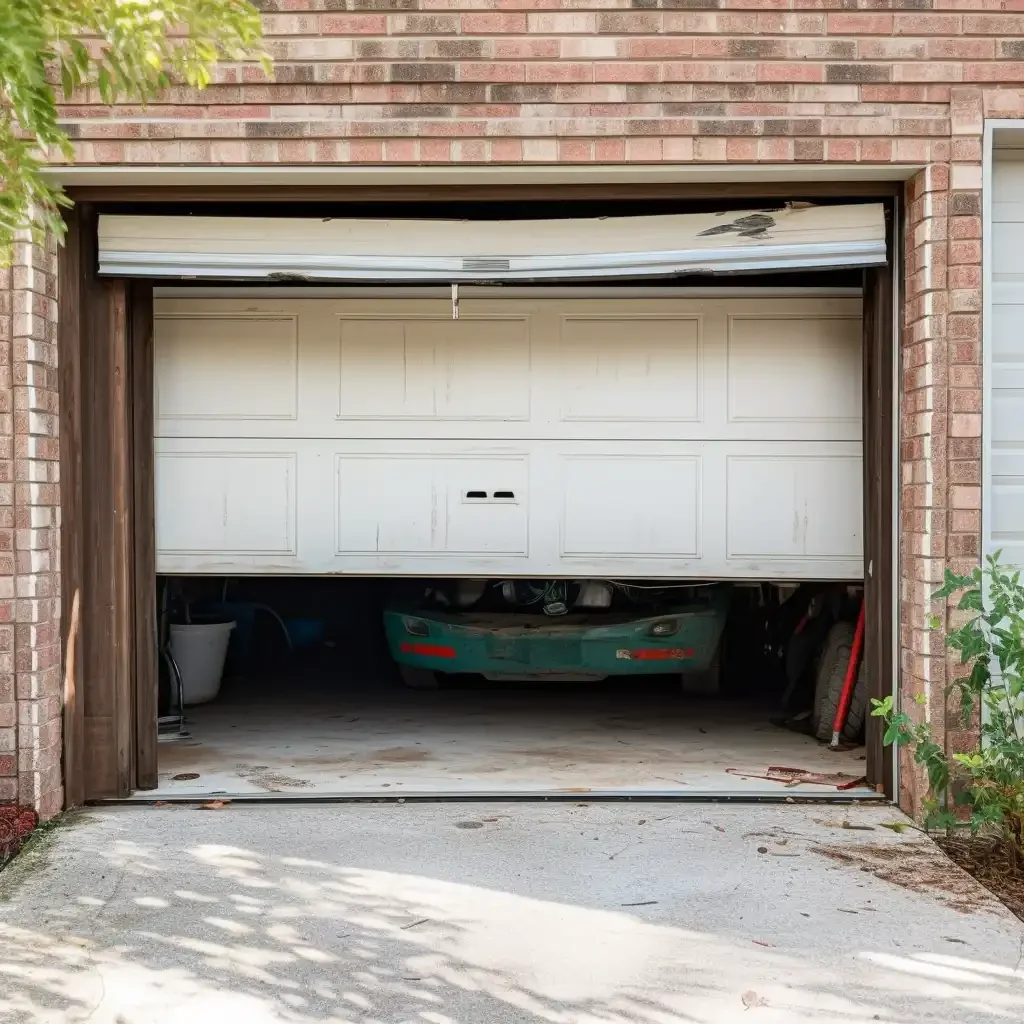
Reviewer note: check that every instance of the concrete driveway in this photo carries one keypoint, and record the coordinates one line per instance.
(601, 914)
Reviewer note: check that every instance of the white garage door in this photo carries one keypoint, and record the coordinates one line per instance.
(574, 436)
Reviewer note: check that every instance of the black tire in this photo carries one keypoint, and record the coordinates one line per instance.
(418, 678)
(856, 716)
(835, 657)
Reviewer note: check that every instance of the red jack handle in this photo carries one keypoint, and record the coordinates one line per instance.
(850, 681)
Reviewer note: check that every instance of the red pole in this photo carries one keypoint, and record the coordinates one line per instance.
(850, 681)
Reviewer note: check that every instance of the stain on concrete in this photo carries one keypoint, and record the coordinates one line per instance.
(917, 867)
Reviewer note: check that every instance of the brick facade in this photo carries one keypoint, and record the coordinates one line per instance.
(586, 82)
(30, 704)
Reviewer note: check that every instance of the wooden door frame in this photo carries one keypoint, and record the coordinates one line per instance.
(880, 555)
(107, 464)
(107, 543)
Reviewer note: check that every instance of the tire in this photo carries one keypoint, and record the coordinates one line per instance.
(831, 676)
(856, 716)
(418, 678)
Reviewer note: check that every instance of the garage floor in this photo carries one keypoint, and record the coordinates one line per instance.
(395, 742)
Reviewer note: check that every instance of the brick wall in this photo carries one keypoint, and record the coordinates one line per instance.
(578, 81)
(30, 712)
(611, 82)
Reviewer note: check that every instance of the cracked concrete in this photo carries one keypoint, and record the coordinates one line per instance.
(628, 913)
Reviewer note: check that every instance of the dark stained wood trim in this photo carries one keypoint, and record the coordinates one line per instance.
(80, 235)
(107, 194)
(98, 607)
(122, 563)
(144, 532)
(104, 515)
(879, 424)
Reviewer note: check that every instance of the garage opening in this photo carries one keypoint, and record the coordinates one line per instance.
(507, 688)
(535, 539)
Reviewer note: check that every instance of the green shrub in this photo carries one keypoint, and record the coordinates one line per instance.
(982, 790)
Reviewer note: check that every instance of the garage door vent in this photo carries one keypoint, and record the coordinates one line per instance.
(486, 264)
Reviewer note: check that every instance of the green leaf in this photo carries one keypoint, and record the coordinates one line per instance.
(881, 708)
(125, 49)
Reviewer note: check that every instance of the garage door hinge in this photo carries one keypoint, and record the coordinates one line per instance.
(455, 301)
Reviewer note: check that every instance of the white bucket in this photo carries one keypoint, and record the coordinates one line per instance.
(199, 650)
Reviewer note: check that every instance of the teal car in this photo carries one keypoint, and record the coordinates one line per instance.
(527, 644)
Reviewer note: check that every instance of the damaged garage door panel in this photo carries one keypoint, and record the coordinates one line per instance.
(796, 236)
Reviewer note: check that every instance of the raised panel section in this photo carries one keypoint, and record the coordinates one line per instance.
(226, 367)
(793, 507)
(794, 368)
(420, 368)
(430, 503)
(225, 503)
(631, 368)
(1006, 524)
(631, 505)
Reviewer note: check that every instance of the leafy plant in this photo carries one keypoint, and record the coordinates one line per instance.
(987, 784)
(125, 49)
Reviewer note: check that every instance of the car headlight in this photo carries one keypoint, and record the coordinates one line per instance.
(665, 627)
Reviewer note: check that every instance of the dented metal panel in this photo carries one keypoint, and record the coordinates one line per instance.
(793, 236)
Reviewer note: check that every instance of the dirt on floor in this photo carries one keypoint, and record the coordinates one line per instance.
(918, 867)
(16, 825)
(988, 862)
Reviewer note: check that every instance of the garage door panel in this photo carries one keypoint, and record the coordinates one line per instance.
(512, 369)
(434, 368)
(1006, 532)
(631, 505)
(532, 437)
(431, 503)
(224, 503)
(639, 369)
(226, 367)
(800, 370)
(789, 507)
(1007, 422)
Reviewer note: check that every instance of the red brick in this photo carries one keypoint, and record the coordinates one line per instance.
(509, 150)
(354, 24)
(995, 71)
(860, 24)
(610, 150)
(927, 24)
(489, 24)
(627, 71)
(790, 72)
(1005, 26)
(435, 150)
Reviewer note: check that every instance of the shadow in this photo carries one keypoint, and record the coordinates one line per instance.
(121, 931)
